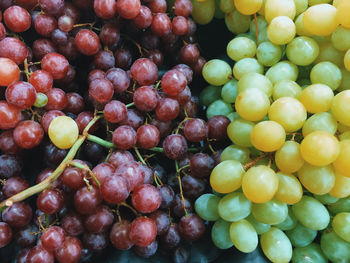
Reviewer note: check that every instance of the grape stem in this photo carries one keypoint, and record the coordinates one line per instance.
(100, 141)
(180, 186)
(256, 27)
(253, 162)
(131, 208)
(86, 168)
(139, 156)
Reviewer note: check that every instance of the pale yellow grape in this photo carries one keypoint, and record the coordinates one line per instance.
(345, 81)
(341, 38)
(217, 72)
(235, 152)
(322, 121)
(255, 80)
(317, 98)
(252, 104)
(248, 7)
(342, 164)
(268, 136)
(262, 9)
(236, 22)
(239, 132)
(320, 20)
(272, 212)
(288, 112)
(320, 148)
(283, 70)
(300, 27)
(343, 10)
(300, 6)
(203, 11)
(345, 136)
(286, 88)
(288, 158)
(275, 8)
(341, 107)
(326, 73)
(227, 6)
(63, 132)
(329, 53)
(244, 236)
(341, 188)
(241, 47)
(302, 51)
(259, 184)
(347, 60)
(245, 66)
(318, 180)
(289, 189)
(343, 128)
(268, 54)
(281, 30)
(317, 2)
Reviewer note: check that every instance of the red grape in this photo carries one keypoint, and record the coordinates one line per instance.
(70, 251)
(128, 9)
(21, 94)
(87, 199)
(41, 80)
(28, 134)
(105, 9)
(115, 111)
(39, 254)
(56, 64)
(100, 221)
(9, 71)
(87, 42)
(17, 19)
(144, 71)
(5, 234)
(14, 49)
(101, 90)
(53, 238)
(173, 82)
(146, 198)
(124, 137)
(50, 201)
(115, 189)
(147, 136)
(143, 231)
(9, 115)
(175, 146)
(119, 235)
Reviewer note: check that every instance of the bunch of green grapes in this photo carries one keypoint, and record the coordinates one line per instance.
(286, 176)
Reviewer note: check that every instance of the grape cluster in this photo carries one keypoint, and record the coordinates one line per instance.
(100, 90)
(286, 175)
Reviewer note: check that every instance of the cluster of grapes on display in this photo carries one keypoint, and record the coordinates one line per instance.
(100, 90)
(286, 178)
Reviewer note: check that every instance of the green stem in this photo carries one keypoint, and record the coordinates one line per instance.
(100, 141)
(139, 156)
(78, 165)
(157, 149)
(130, 105)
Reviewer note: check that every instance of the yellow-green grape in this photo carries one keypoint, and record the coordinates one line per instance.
(203, 11)
(244, 236)
(229, 91)
(347, 60)
(289, 223)
(289, 189)
(299, 26)
(300, 6)
(235, 152)
(248, 7)
(268, 54)
(218, 12)
(233, 116)
(262, 9)
(317, 26)
(318, 180)
(246, 66)
(275, 8)
(341, 225)
(288, 158)
(263, 37)
(341, 107)
(317, 98)
(252, 104)
(301, 236)
(309, 254)
(236, 22)
(343, 10)
(341, 38)
(322, 121)
(63, 132)
(311, 213)
(239, 132)
(272, 212)
(334, 247)
(342, 164)
(233, 207)
(276, 246)
(326, 199)
(283, 70)
(219, 107)
(317, 2)
(206, 207)
(262, 24)
(41, 100)
(255, 80)
(227, 176)
(286, 88)
(220, 234)
(259, 184)
(217, 72)
(341, 188)
(344, 136)
(288, 112)
(227, 6)
(259, 227)
(320, 148)
(302, 51)
(326, 73)
(329, 53)
(241, 47)
(268, 136)
(281, 30)
(345, 81)
(209, 94)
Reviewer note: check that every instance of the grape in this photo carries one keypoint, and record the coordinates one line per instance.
(50, 201)
(119, 235)
(143, 231)
(333, 247)
(234, 207)
(87, 42)
(217, 127)
(146, 198)
(247, 242)
(219, 107)
(209, 95)
(17, 19)
(5, 234)
(87, 200)
(56, 64)
(53, 238)
(173, 82)
(13, 49)
(248, 7)
(175, 146)
(28, 134)
(124, 137)
(288, 158)
(340, 225)
(340, 107)
(220, 234)
(326, 199)
(115, 189)
(301, 236)
(317, 27)
(241, 47)
(268, 136)
(322, 121)
(326, 73)
(17, 215)
(63, 132)
(260, 228)
(311, 254)
(281, 30)
(171, 238)
(70, 251)
(235, 152)
(255, 80)
(268, 54)
(9, 71)
(289, 189)
(100, 221)
(239, 132)
(246, 66)
(237, 22)
(147, 136)
(39, 253)
(229, 91)
(203, 11)
(275, 8)
(283, 70)
(191, 227)
(217, 72)
(271, 212)
(289, 223)
(341, 186)
(206, 207)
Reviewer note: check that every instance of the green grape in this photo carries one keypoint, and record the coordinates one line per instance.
(345, 81)
(41, 100)
(236, 22)
(245, 66)
(236, 152)
(341, 38)
(233, 116)
(300, 27)
(309, 254)
(329, 53)
(219, 107)
(286, 88)
(300, 6)
(260, 228)
(288, 159)
(216, 72)
(302, 51)
(283, 70)
(229, 91)
(276, 245)
(255, 80)
(311, 213)
(262, 24)
(289, 189)
(234, 207)
(322, 121)
(289, 223)
(263, 36)
(340, 107)
(326, 199)
(239, 132)
(317, 98)
(244, 236)
(336, 249)
(218, 12)
(281, 30)
(227, 6)
(317, 2)
(209, 95)
(220, 234)
(268, 54)
(326, 73)
(206, 207)
(342, 205)
(203, 11)
(341, 225)
(301, 236)
(247, 35)
(272, 212)
(241, 47)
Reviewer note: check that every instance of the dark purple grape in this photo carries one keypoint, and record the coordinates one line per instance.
(195, 130)
(171, 238)
(17, 215)
(192, 187)
(175, 146)
(168, 196)
(95, 242)
(26, 236)
(147, 251)
(191, 227)
(217, 127)
(162, 221)
(100, 221)
(201, 165)
(10, 166)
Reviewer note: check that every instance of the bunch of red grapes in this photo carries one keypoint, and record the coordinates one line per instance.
(133, 184)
